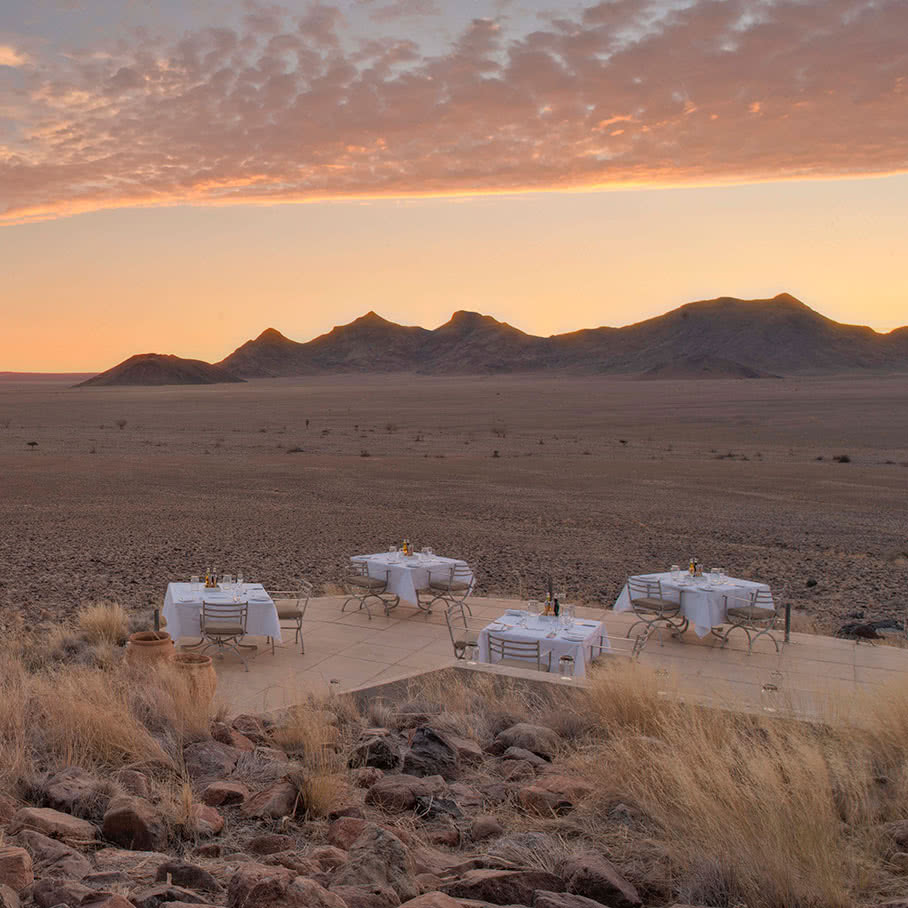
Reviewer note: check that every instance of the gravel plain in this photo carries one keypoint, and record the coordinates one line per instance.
(583, 479)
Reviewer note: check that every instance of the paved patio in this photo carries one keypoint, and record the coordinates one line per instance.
(348, 651)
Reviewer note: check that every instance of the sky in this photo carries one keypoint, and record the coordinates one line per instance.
(178, 175)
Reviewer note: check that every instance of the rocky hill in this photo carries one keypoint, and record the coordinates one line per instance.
(162, 369)
(702, 366)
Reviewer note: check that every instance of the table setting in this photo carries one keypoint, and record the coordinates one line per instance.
(183, 607)
(408, 572)
(703, 596)
(569, 639)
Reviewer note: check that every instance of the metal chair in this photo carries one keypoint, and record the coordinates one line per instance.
(291, 606)
(452, 584)
(621, 646)
(754, 613)
(224, 625)
(518, 654)
(463, 637)
(652, 608)
(361, 587)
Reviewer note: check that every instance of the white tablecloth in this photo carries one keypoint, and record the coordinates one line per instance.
(183, 609)
(409, 573)
(702, 603)
(538, 627)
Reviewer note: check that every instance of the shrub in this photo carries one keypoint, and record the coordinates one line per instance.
(842, 458)
(104, 622)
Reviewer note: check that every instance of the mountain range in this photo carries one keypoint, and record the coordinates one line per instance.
(162, 369)
(720, 338)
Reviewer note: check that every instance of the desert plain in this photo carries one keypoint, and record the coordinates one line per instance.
(800, 482)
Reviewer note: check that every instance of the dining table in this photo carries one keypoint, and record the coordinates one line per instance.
(408, 573)
(703, 601)
(579, 641)
(183, 608)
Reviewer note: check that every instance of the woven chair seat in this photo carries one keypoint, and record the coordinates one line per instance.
(367, 583)
(453, 586)
(289, 613)
(752, 613)
(666, 606)
(223, 630)
(468, 638)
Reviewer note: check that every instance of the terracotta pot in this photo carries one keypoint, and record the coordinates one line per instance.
(149, 648)
(199, 672)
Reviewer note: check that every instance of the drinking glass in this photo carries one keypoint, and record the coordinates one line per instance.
(533, 607)
(428, 551)
(676, 572)
(723, 577)
(392, 549)
(566, 668)
(239, 579)
(195, 582)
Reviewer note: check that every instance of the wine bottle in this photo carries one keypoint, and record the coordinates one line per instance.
(556, 608)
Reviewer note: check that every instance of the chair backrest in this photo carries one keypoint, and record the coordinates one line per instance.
(359, 568)
(761, 598)
(456, 619)
(301, 595)
(221, 613)
(640, 588)
(514, 649)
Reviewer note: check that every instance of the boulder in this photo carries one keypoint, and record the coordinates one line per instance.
(377, 747)
(8, 808)
(54, 858)
(53, 823)
(209, 760)
(225, 794)
(537, 739)
(344, 831)
(204, 821)
(163, 894)
(328, 857)
(468, 752)
(503, 887)
(431, 754)
(595, 877)
(365, 776)
(554, 794)
(378, 858)
(433, 808)
(140, 866)
(50, 893)
(544, 899)
(467, 796)
(135, 824)
(107, 880)
(209, 850)
(485, 827)
(8, 897)
(105, 900)
(401, 792)
(252, 727)
(346, 810)
(276, 801)
(186, 875)
(15, 867)
(134, 782)
(259, 886)
(75, 791)
(270, 843)
(432, 900)
(367, 896)
(222, 732)
(518, 753)
(525, 847)
(516, 771)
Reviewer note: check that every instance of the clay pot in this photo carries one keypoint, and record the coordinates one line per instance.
(149, 648)
(199, 673)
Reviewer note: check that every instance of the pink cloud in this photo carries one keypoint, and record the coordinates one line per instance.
(623, 93)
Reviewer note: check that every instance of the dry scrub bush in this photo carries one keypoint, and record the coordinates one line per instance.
(104, 622)
(746, 808)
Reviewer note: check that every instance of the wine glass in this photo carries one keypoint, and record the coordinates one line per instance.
(723, 577)
(533, 607)
(676, 572)
(428, 551)
(195, 583)
(239, 579)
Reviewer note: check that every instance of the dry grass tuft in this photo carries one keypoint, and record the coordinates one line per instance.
(104, 622)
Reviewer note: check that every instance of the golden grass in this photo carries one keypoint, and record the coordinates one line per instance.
(104, 622)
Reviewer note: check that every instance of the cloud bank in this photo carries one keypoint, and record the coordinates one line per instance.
(294, 108)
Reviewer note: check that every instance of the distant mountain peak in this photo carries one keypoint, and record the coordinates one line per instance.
(272, 334)
(787, 298)
(162, 369)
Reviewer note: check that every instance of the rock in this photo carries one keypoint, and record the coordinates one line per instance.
(344, 831)
(517, 771)
(367, 896)
(365, 776)
(164, 894)
(432, 900)
(139, 866)
(270, 843)
(427, 882)
(328, 857)
(434, 808)
(222, 732)
(467, 796)
(448, 835)
(225, 794)
(468, 752)
(8, 897)
(377, 748)
(347, 811)
(54, 858)
(271, 755)
(495, 792)
(209, 760)
(518, 753)
(105, 900)
(811, 582)
(204, 821)
(51, 893)
(485, 827)
(378, 858)
(209, 850)
(276, 801)
(292, 861)
(503, 887)
(15, 867)
(431, 754)
(107, 879)
(53, 823)
(252, 727)
(258, 886)
(537, 739)
(595, 877)
(8, 809)
(554, 794)
(401, 792)
(543, 899)
(188, 876)
(135, 824)
(75, 791)
(133, 782)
